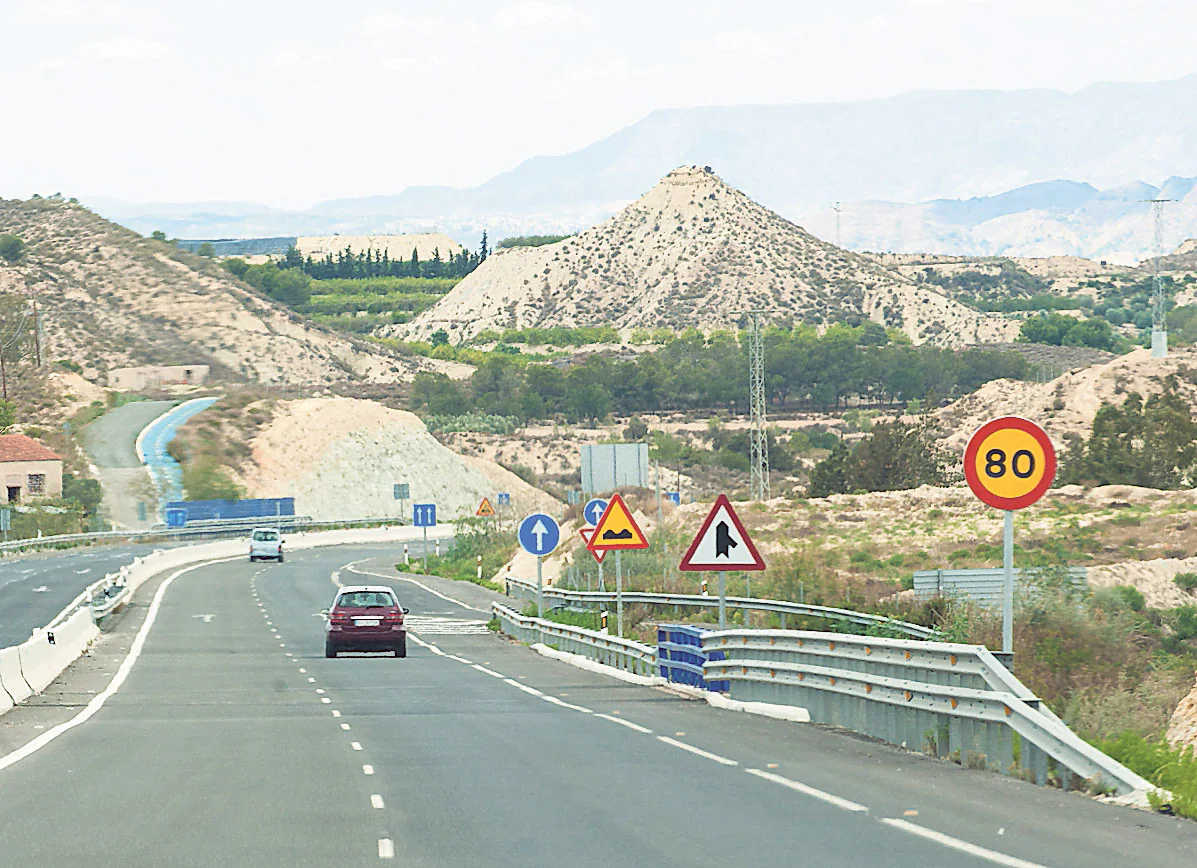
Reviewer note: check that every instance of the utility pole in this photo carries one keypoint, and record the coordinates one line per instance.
(758, 436)
(837, 207)
(1159, 320)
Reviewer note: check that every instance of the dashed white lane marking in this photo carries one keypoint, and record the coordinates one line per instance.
(325, 699)
(627, 723)
(352, 567)
(386, 848)
(963, 846)
(356, 745)
(367, 770)
(800, 787)
(319, 690)
(311, 680)
(345, 727)
(376, 802)
(428, 625)
(487, 671)
(722, 760)
(564, 704)
(302, 671)
(336, 713)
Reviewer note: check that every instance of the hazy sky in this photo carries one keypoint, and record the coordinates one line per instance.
(287, 103)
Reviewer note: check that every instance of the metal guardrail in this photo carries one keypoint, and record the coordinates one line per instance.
(235, 527)
(612, 651)
(527, 591)
(948, 699)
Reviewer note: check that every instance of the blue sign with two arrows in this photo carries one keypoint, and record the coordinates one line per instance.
(424, 515)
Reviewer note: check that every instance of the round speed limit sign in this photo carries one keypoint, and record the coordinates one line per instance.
(1009, 463)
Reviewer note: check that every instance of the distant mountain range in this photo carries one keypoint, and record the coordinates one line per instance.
(967, 157)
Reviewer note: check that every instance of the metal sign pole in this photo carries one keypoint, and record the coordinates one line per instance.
(539, 589)
(602, 585)
(1008, 584)
(425, 549)
(722, 599)
(618, 593)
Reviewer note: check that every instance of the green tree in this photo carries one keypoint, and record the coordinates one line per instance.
(1059, 329)
(12, 248)
(206, 249)
(236, 267)
(158, 235)
(440, 338)
(8, 416)
(440, 395)
(894, 457)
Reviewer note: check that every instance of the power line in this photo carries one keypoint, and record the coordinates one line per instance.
(1159, 321)
(758, 436)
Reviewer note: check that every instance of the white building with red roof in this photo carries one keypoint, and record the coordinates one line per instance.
(27, 469)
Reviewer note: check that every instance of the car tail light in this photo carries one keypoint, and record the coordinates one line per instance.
(393, 616)
(338, 618)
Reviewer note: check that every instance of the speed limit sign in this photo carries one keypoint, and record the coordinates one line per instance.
(1010, 463)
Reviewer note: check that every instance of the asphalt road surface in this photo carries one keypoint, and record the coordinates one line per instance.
(36, 587)
(110, 440)
(234, 742)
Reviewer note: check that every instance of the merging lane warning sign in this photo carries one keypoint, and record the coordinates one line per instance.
(722, 543)
(617, 530)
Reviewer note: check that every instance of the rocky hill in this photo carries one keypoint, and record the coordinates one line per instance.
(110, 298)
(694, 251)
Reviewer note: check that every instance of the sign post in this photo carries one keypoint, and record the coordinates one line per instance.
(1009, 464)
(720, 543)
(539, 534)
(616, 530)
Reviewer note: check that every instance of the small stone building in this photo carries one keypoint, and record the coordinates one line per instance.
(28, 470)
(153, 376)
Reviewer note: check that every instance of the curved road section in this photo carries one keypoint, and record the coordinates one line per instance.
(110, 444)
(151, 449)
(234, 741)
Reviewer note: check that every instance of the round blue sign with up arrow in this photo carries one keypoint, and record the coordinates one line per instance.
(539, 534)
(594, 511)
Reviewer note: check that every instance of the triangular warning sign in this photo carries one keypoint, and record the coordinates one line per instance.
(485, 509)
(722, 543)
(617, 530)
(587, 532)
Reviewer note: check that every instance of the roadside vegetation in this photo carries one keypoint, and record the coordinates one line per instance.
(215, 442)
(473, 537)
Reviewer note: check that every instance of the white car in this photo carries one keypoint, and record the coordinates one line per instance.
(265, 542)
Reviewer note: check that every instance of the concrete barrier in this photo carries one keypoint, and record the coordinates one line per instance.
(11, 677)
(43, 661)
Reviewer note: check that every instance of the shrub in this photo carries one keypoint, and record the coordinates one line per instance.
(1185, 581)
(12, 248)
(1173, 769)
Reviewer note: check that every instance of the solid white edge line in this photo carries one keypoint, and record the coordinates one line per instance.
(963, 846)
(722, 760)
(353, 569)
(627, 723)
(118, 679)
(386, 848)
(376, 802)
(800, 787)
(487, 671)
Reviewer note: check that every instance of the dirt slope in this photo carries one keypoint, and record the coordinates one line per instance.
(111, 298)
(1067, 404)
(340, 457)
(694, 251)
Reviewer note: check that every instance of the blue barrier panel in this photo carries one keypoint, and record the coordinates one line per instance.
(209, 510)
(680, 656)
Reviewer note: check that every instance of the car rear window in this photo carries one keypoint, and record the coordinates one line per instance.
(265, 535)
(366, 600)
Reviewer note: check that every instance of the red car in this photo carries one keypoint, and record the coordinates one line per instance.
(365, 618)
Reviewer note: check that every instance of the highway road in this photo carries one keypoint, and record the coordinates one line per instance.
(36, 587)
(234, 742)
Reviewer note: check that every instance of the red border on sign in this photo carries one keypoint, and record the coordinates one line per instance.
(586, 533)
(643, 544)
(970, 463)
(687, 565)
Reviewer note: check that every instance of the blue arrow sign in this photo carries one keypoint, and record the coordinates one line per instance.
(424, 514)
(539, 534)
(674, 497)
(594, 511)
(504, 498)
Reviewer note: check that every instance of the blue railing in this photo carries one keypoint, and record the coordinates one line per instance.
(680, 656)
